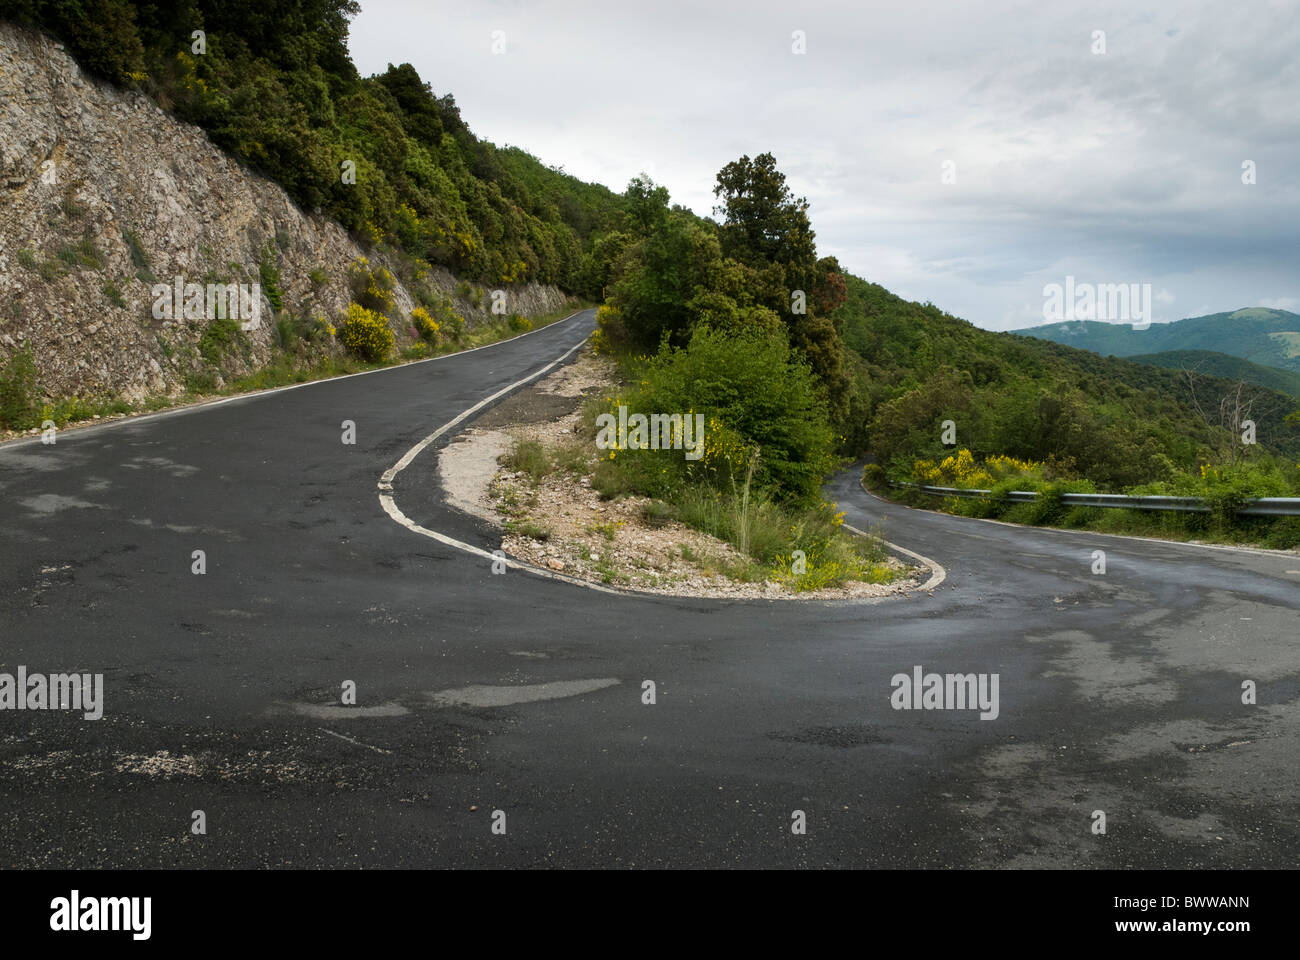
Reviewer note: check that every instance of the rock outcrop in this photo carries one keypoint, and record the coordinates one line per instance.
(103, 194)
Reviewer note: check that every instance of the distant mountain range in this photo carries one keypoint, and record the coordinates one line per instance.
(1264, 337)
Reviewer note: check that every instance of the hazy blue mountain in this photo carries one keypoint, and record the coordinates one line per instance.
(1258, 334)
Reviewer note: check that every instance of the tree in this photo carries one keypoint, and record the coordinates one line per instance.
(763, 222)
(765, 227)
(1234, 409)
(647, 205)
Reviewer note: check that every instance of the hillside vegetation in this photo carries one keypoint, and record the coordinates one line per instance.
(275, 86)
(793, 364)
(1225, 366)
(1113, 421)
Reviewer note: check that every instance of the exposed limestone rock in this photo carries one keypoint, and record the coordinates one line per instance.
(100, 191)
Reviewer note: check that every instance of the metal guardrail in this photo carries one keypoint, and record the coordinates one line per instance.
(1261, 506)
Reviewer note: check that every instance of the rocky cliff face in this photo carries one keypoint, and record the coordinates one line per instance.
(103, 195)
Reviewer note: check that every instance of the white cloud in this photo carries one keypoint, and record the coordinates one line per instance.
(1124, 166)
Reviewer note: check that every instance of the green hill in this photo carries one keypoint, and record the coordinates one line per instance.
(1258, 334)
(1112, 420)
(1223, 365)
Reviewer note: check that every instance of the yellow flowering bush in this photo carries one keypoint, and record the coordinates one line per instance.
(366, 333)
(609, 329)
(964, 471)
(426, 326)
(828, 573)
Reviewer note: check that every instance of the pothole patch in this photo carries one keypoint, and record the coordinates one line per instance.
(505, 696)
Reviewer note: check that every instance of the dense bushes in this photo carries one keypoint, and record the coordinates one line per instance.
(426, 327)
(754, 394)
(366, 334)
(1223, 490)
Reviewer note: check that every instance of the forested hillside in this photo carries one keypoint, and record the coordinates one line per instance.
(273, 83)
(1225, 366)
(1114, 421)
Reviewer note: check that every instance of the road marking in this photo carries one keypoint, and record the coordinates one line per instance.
(486, 696)
(206, 404)
(350, 740)
(386, 481)
(386, 500)
(391, 508)
(937, 573)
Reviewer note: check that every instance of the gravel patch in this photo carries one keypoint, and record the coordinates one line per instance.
(570, 529)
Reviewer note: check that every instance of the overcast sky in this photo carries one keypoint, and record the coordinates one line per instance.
(1115, 167)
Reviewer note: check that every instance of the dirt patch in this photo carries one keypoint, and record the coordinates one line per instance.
(561, 523)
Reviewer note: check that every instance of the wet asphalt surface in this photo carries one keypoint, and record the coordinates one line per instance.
(1119, 693)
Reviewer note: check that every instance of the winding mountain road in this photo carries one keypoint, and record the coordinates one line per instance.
(478, 693)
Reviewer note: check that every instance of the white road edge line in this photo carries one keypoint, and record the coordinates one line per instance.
(390, 506)
(937, 573)
(386, 500)
(356, 742)
(78, 428)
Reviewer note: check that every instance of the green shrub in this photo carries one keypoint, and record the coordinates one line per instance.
(114, 294)
(83, 253)
(752, 393)
(426, 326)
(527, 528)
(270, 274)
(874, 478)
(372, 288)
(656, 513)
(221, 336)
(417, 351)
(18, 397)
(530, 457)
(139, 259)
(203, 381)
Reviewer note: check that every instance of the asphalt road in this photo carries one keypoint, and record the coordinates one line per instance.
(1119, 692)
